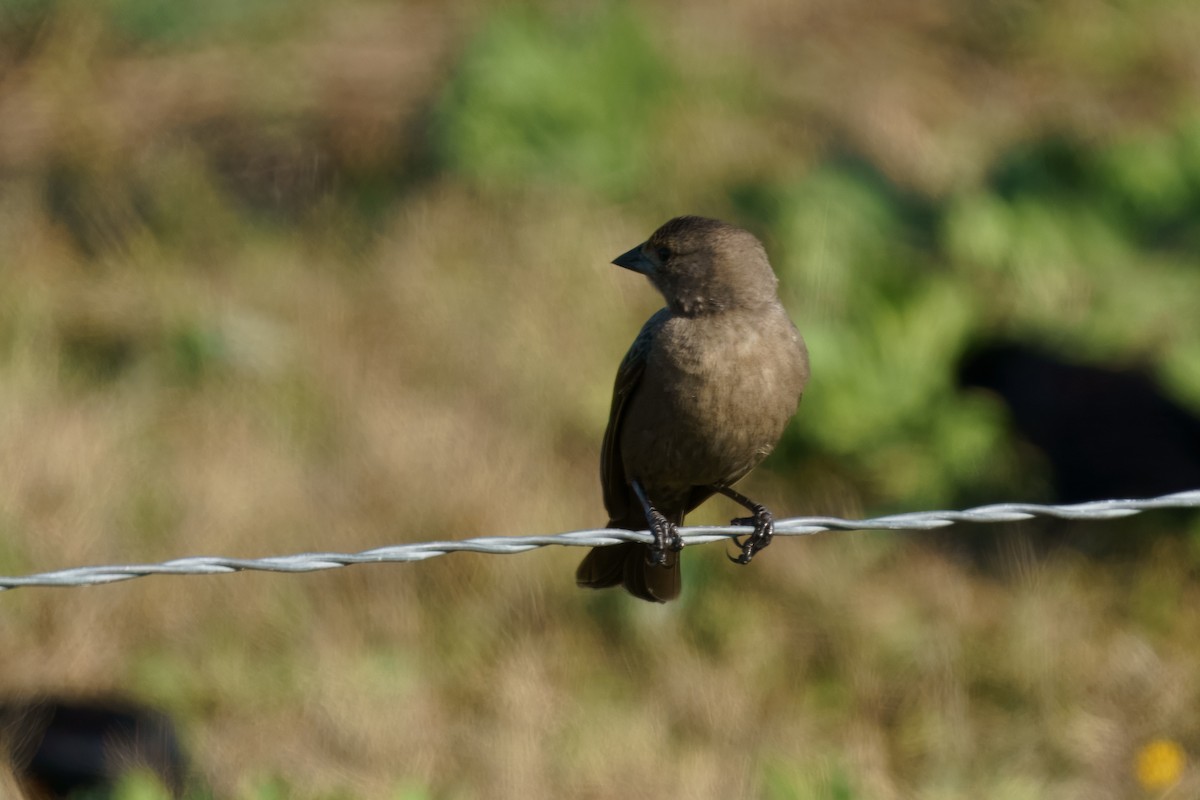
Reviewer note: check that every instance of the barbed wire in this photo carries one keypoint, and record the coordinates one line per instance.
(501, 545)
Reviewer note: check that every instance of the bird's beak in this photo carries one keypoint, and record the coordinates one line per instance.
(635, 260)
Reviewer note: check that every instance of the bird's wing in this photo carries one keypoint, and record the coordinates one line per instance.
(617, 494)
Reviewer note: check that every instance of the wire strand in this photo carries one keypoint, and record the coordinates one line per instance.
(503, 545)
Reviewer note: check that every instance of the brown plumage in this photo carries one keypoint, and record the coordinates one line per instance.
(701, 398)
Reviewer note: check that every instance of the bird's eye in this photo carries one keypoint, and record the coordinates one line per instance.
(663, 252)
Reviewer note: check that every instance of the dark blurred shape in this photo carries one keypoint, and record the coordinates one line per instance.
(99, 355)
(1054, 166)
(69, 747)
(1106, 433)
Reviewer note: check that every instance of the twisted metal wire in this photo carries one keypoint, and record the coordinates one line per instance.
(499, 545)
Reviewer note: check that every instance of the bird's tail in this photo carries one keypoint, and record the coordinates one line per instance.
(626, 564)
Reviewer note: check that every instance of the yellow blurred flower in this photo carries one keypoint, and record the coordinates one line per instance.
(1160, 764)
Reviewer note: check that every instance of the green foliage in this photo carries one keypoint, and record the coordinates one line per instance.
(140, 784)
(412, 791)
(195, 350)
(813, 780)
(890, 290)
(268, 788)
(169, 23)
(567, 96)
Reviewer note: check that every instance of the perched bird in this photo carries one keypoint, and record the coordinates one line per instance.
(701, 398)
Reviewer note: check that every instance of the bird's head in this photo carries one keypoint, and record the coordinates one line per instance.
(704, 266)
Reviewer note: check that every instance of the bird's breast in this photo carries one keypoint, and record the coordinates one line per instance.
(715, 398)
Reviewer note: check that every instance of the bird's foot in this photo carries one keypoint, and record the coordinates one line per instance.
(764, 530)
(666, 539)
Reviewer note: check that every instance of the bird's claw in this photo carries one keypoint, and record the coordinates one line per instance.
(764, 530)
(666, 540)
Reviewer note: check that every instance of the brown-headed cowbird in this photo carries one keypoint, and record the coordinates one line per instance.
(701, 398)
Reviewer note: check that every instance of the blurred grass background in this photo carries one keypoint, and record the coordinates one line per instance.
(283, 277)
